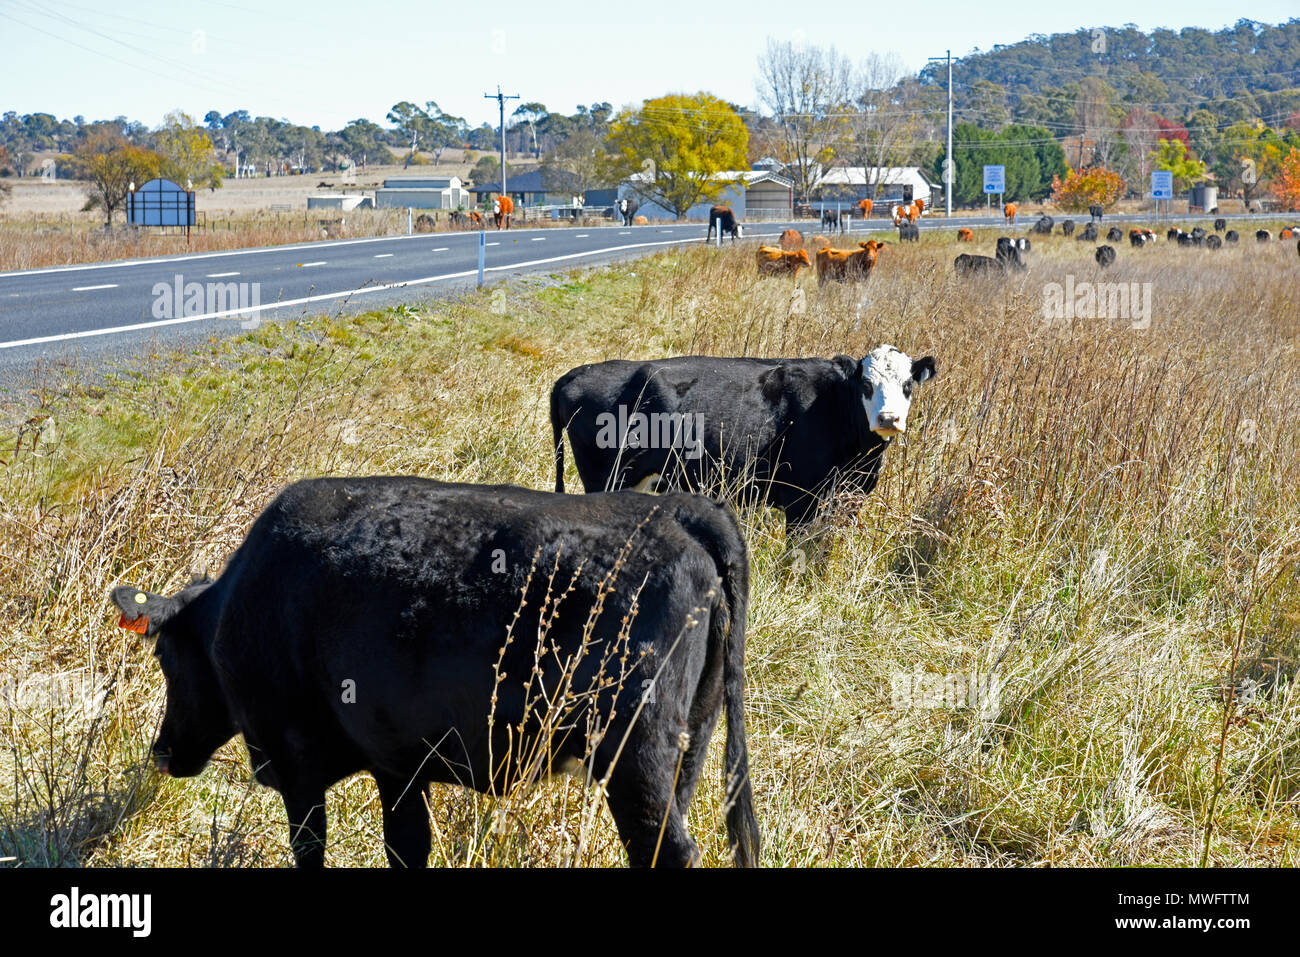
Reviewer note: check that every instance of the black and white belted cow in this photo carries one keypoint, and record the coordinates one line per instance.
(627, 208)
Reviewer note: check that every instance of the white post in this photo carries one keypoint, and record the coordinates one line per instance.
(408, 220)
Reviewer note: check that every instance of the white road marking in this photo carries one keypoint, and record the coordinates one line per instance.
(494, 244)
(442, 249)
(107, 285)
(317, 263)
(221, 275)
(539, 239)
(581, 236)
(383, 255)
(625, 232)
(323, 297)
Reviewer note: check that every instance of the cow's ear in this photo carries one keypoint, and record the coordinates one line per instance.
(923, 369)
(144, 612)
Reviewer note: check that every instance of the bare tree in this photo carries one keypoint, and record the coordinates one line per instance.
(809, 92)
(886, 121)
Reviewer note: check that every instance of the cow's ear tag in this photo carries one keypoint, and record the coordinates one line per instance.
(141, 598)
(138, 625)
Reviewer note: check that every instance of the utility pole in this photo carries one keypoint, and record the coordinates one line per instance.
(950, 171)
(501, 104)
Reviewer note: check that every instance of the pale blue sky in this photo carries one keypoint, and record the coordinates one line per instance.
(326, 63)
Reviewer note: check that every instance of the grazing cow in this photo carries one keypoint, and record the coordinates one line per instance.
(1088, 234)
(1287, 232)
(773, 261)
(819, 241)
(965, 236)
(429, 632)
(1095, 213)
(847, 265)
(1198, 236)
(475, 218)
(865, 206)
(1105, 256)
(1137, 238)
(1067, 228)
(791, 239)
(627, 208)
(723, 220)
(1213, 242)
(782, 432)
(1044, 226)
(1114, 235)
(909, 232)
(1220, 225)
(1009, 211)
(1263, 236)
(1230, 236)
(502, 208)
(1173, 233)
(1008, 252)
(831, 218)
(912, 212)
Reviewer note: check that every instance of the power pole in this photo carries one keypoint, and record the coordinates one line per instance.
(501, 104)
(950, 171)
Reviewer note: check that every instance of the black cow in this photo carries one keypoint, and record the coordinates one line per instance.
(784, 432)
(831, 218)
(1297, 247)
(1173, 234)
(909, 232)
(1088, 234)
(627, 208)
(1213, 242)
(971, 265)
(724, 220)
(1105, 256)
(1067, 228)
(1230, 236)
(1044, 226)
(1095, 213)
(1220, 225)
(1263, 236)
(1198, 236)
(479, 635)
(1114, 235)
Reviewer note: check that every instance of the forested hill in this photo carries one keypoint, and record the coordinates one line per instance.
(1172, 72)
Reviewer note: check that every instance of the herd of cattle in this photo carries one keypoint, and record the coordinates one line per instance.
(488, 636)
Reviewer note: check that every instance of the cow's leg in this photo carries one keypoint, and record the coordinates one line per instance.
(644, 806)
(406, 821)
(305, 805)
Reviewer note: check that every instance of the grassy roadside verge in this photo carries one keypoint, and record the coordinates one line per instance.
(1088, 538)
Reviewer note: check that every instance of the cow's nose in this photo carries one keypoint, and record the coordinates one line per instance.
(892, 423)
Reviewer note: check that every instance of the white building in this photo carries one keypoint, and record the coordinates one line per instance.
(423, 192)
(753, 195)
(848, 184)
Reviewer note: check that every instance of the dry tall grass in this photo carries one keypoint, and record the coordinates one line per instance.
(1093, 528)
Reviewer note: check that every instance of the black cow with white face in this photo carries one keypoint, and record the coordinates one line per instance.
(424, 632)
(627, 208)
(784, 432)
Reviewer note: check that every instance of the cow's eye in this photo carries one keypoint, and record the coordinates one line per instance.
(907, 389)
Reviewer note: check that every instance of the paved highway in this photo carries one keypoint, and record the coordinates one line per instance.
(130, 308)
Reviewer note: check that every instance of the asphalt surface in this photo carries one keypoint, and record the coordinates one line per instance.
(120, 310)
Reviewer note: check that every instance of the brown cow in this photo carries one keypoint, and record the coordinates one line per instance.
(502, 207)
(475, 217)
(773, 261)
(792, 239)
(965, 236)
(899, 214)
(920, 206)
(847, 265)
(912, 212)
(1009, 211)
(866, 206)
(820, 241)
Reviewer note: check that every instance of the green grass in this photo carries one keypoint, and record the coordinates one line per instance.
(1078, 517)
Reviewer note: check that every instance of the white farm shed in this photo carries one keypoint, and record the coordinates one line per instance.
(423, 192)
(848, 184)
(752, 195)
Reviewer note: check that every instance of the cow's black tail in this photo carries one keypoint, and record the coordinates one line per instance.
(726, 543)
(557, 436)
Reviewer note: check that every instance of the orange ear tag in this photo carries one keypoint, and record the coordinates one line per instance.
(138, 625)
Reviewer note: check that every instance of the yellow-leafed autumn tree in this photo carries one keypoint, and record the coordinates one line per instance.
(673, 148)
(1087, 187)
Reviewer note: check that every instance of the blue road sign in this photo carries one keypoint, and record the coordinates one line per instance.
(995, 179)
(1162, 184)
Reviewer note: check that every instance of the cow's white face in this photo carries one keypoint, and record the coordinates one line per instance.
(496, 207)
(888, 376)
